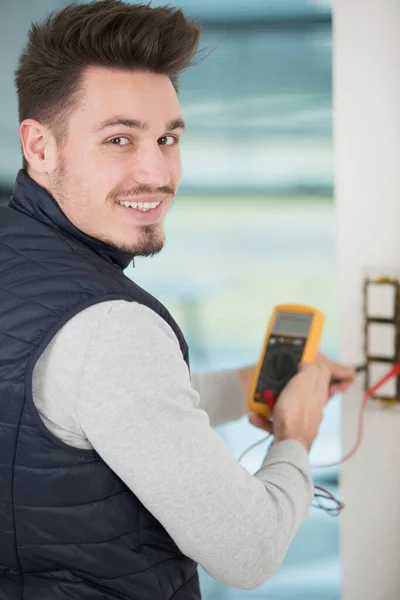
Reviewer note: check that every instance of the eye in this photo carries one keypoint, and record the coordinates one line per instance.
(168, 140)
(117, 141)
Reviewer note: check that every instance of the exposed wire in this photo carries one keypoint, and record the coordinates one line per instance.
(325, 494)
(332, 511)
(370, 392)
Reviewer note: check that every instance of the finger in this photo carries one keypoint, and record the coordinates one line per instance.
(323, 382)
(304, 366)
(312, 369)
(306, 378)
(321, 359)
(333, 389)
(343, 387)
(338, 371)
(261, 423)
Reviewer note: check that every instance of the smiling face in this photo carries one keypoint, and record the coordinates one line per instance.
(118, 170)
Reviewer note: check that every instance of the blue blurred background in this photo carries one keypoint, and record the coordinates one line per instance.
(253, 222)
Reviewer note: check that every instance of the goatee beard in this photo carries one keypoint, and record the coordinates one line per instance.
(151, 240)
(149, 246)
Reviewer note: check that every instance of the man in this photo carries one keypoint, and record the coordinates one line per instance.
(113, 483)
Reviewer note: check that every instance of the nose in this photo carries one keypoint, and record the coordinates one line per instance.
(150, 167)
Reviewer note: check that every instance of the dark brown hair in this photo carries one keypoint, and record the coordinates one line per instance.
(107, 33)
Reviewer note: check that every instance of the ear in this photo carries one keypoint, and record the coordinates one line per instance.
(39, 146)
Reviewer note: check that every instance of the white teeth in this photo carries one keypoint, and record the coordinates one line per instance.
(143, 206)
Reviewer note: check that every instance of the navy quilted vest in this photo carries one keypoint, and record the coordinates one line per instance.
(69, 527)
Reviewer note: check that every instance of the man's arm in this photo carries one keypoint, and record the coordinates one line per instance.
(221, 395)
(139, 411)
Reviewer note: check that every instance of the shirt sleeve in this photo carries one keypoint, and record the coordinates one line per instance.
(221, 395)
(138, 409)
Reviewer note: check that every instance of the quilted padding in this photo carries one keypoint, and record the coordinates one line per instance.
(69, 527)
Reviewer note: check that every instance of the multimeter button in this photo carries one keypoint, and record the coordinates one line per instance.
(269, 398)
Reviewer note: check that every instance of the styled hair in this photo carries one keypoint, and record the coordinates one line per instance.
(104, 33)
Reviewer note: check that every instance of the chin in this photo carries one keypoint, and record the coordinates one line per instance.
(149, 244)
(147, 250)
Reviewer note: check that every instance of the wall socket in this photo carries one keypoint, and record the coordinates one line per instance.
(382, 335)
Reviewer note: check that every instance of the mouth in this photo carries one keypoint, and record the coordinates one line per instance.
(140, 206)
(145, 212)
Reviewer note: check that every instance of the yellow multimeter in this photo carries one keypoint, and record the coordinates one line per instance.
(293, 336)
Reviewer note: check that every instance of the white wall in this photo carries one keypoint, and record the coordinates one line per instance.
(367, 171)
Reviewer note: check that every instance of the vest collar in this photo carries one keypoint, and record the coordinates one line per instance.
(30, 198)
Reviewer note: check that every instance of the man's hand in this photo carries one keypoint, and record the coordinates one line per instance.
(344, 375)
(340, 379)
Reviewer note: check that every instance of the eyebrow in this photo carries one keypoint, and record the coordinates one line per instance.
(136, 124)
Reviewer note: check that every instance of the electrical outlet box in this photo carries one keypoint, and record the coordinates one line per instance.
(377, 370)
(382, 335)
(380, 300)
(381, 340)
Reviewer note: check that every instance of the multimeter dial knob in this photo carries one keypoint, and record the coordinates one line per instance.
(282, 366)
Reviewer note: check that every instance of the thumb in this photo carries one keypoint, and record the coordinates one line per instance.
(339, 372)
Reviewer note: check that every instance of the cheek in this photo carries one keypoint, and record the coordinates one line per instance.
(93, 172)
(77, 162)
(175, 168)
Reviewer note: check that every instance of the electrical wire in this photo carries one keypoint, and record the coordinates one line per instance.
(370, 392)
(332, 511)
(253, 446)
(335, 512)
(358, 369)
(325, 494)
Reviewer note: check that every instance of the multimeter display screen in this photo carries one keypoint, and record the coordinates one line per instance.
(292, 323)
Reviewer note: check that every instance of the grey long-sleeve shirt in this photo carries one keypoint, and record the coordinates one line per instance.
(114, 379)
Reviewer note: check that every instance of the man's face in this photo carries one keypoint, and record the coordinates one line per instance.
(122, 147)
